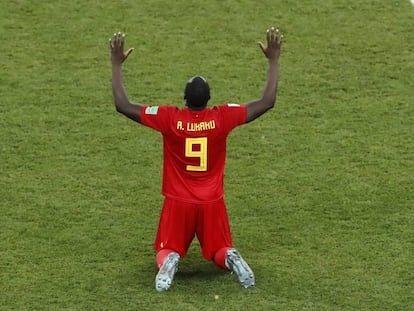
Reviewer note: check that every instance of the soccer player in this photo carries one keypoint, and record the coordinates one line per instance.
(194, 143)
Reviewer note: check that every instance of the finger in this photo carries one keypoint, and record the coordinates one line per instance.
(122, 40)
(272, 34)
(119, 37)
(115, 40)
(279, 36)
(262, 47)
(110, 44)
(129, 51)
(276, 34)
(280, 40)
(268, 36)
(126, 54)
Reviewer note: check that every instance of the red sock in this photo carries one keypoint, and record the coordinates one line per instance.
(161, 255)
(220, 258)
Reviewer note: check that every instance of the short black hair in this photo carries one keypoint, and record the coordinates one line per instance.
(197, 92)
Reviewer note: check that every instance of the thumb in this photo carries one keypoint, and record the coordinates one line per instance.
(262, 47)
(126, 54)
(129, 51)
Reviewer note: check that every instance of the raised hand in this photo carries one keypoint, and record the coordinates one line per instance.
(274, 43)
(116, 45)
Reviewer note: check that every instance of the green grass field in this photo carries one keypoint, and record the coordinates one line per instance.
(320, 191)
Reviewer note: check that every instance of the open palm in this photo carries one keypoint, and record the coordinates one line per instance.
(274, 43)
(116, 44)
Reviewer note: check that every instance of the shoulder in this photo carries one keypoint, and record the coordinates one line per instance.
(234, 114)
(154, 110)
(162, 111)
(229, 108)
(157, 116)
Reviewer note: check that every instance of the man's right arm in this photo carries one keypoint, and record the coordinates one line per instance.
(122, 103)
(258, 107)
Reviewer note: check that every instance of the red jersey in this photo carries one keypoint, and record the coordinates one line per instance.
(194, 145)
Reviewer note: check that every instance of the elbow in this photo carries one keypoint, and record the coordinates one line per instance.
(271, 102)
(117, 108)
(119, 105)
(269, 99)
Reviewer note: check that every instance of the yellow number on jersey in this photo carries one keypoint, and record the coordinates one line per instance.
(201, 154)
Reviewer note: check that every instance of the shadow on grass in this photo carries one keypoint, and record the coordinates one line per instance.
(190, 273)
(200, 272)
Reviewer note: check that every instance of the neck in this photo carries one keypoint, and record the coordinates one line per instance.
(195, 108)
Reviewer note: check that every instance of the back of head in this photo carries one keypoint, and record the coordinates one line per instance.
(197, 93)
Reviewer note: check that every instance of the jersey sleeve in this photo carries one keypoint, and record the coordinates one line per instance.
(156, 117)
(232, 115)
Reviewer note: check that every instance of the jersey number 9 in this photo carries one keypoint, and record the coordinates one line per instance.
(200, 152)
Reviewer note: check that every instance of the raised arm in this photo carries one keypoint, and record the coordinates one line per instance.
(258, 107)
(118, 56)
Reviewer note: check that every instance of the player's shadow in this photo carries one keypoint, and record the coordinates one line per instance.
(197, 270)
(193, 269)
(190, 270)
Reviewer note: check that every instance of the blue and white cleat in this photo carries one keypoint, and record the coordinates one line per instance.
(165, 275)
(236, 264)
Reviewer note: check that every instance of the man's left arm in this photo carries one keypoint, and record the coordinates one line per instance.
(258, 107)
